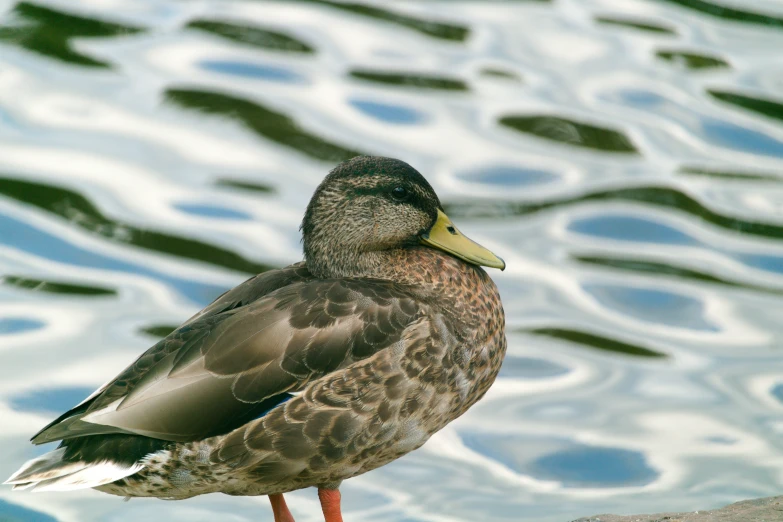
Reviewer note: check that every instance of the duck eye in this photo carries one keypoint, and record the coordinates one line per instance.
(399, 193)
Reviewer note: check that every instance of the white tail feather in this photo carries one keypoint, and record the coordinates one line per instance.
(93, 475)
(50, 473)
(46, 462)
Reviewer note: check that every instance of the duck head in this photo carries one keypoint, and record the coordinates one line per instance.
(370, 205)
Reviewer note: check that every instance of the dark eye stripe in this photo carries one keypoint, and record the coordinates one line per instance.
(413, 196)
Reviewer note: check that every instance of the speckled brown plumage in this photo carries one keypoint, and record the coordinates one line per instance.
(306, 376)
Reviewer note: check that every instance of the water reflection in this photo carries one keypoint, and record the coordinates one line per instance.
(631, 228)
(585, 466)
(653, 305)
(252, 70)
(571, 132)
(80, 212)
(211, 211)
(51, 32)
(777, 392)
(252, 35)
(597, 342)
(245, 185)
(726, 12)
(411, 80)
(740, 138)
(763, 107)
(571, 465)
(691, 60)
(624, 157)
(15, 513)
(426, 26)
(33, 241)
(55, 287)
(53, 400)
(387, 112)
(670, 269)
(265, 122)
(639, 25)
(16, 325)
(730, 175)
(159, 330)
(659, 196)
(508, 176)
(531, 368)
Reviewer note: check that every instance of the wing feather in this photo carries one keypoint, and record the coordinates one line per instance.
(216, 369)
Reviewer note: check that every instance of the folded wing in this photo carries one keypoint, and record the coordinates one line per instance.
(231, 364)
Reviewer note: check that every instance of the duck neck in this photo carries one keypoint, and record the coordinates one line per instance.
(330, 263)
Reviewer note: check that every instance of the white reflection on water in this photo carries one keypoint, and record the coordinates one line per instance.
(639, 216)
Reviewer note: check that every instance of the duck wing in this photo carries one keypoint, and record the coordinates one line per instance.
(233, 361)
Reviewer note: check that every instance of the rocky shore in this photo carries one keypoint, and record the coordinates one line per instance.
(758, 510)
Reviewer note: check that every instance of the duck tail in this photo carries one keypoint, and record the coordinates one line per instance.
(50, 472)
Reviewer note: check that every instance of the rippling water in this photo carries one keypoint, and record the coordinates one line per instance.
(624, 156)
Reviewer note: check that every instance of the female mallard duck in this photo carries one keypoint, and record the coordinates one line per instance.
(303, 376)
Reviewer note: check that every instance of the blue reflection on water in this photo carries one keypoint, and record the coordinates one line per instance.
(9, 325)
(530, 368)
(719, 439)
(630, 228)
(13, 513)
(719, 132)
(508, 176)
(574, 465)
(650, 305)
(252, 70)
(212, 211)
(638, 98)
(769, 263)
(20, 235)
(388, 112)
(587, 466)
(741, 138)
(51, 399)
(777, 392)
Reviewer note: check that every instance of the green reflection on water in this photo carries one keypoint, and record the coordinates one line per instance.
(692, 60)
(265, 122)
(654, 267)
(500, 73)
(245, 185)
(251, 35)
(648, 27)
(768, 108)
(658, 196)
(599, 342)
(80, 212)
(159, 330)
(55, 287)
(571, 132)
(444, 31)
(729, 13)
(49, 32)
(727, 175)
(419, 81)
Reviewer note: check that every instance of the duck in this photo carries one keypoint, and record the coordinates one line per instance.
(303, 376)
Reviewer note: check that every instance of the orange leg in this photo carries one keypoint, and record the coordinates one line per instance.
(330, 504)
(280, 509)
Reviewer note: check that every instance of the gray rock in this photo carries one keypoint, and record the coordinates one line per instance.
(758, 510)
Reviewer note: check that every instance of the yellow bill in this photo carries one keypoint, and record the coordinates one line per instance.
(445, 236)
